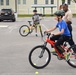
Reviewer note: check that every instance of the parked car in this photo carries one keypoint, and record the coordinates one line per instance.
(7, 14)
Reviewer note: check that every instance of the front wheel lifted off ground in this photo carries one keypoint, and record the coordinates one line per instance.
(24, 30)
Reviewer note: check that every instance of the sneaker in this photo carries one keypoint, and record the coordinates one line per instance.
(36, 35)
(67, 56)
(74, 55)
(54, 52)
(31, 31)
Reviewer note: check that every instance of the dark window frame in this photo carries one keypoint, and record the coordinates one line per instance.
(24, 1)
(19, 2)
(7, 2)
(69, 2)
(63, 1)
(1, 2)
(46, 1)
(51, 1)
(35, 1)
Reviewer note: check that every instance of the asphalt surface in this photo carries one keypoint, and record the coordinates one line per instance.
(14, 50)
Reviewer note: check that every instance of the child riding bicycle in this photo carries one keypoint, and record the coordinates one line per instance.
(62, 35)
(36, 20)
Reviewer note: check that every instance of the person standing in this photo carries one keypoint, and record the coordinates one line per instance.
(68, 19)
(36, 20)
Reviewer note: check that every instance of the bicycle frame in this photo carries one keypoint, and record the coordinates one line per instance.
(33, 27)
(53, 43)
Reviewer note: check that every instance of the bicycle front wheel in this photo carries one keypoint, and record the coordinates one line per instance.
(39, 57)
(24, 30)
(72, 58)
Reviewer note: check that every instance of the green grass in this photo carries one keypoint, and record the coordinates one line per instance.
(30, 15)
(25, 15)
(74, 15)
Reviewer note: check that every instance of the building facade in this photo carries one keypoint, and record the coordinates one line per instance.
(24, 6)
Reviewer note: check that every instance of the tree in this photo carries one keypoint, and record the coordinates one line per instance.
(63, 1)
(74, 1)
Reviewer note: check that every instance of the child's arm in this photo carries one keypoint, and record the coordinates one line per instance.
(59, 33)
(52, 29)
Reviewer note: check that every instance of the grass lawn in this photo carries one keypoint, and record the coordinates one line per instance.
(30, 15)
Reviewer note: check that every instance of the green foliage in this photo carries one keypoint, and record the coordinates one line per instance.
(74, 1)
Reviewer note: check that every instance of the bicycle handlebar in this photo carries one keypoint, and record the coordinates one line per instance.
(48, 34)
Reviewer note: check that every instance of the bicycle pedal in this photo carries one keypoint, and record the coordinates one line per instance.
(36, 35)
(55, 54)
(59, 58)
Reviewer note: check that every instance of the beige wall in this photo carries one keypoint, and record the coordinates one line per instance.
(26, 8)
(12, 5)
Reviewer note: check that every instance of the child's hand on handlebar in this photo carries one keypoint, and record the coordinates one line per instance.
(52, 35)
(45, 32)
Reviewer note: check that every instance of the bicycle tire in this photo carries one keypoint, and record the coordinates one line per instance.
(25, 32)
(72, 62)
(46, 53)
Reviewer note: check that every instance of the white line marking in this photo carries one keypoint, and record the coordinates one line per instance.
(44, 26)
(3, 26)
(11, 28)
(47, 20)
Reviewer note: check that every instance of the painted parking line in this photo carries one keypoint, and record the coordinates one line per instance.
(3, 26)
(44, 26)
(11, 28)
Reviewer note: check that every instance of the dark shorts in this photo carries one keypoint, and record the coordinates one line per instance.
(60, 40)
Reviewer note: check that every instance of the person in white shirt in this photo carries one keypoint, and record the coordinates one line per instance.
(68, 19)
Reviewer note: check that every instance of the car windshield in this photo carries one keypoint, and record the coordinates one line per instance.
(6, 10)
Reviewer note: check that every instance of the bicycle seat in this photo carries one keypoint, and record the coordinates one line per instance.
(29, 21)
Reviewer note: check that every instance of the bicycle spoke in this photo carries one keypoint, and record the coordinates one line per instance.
(39, 58)
(72, 58)
(24, 30)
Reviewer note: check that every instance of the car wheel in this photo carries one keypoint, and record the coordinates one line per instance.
(0, 20)
(13, 20)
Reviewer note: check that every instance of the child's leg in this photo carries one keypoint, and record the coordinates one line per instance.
(58, 43)
(61, 50)
(35, 26)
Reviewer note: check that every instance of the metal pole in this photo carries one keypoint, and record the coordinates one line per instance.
(43, 10)
(57, 4)
(15, 5)
(51, 11)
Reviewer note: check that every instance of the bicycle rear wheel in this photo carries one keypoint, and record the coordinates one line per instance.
(72, 58)
(39, 57)
(24, 30)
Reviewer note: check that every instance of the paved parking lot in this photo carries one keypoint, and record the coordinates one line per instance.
(14, 50)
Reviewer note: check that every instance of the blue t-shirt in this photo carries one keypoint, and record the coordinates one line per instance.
(62, 25)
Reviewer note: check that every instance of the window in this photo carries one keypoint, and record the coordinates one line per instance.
(24, 1)
(7, 2)
(19, 1)
(1, 2)
(69, 2)
(63, 1)
(35, 1)
(52, 1)
(46, 1)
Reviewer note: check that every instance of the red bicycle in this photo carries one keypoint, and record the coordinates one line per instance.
(40, 56)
